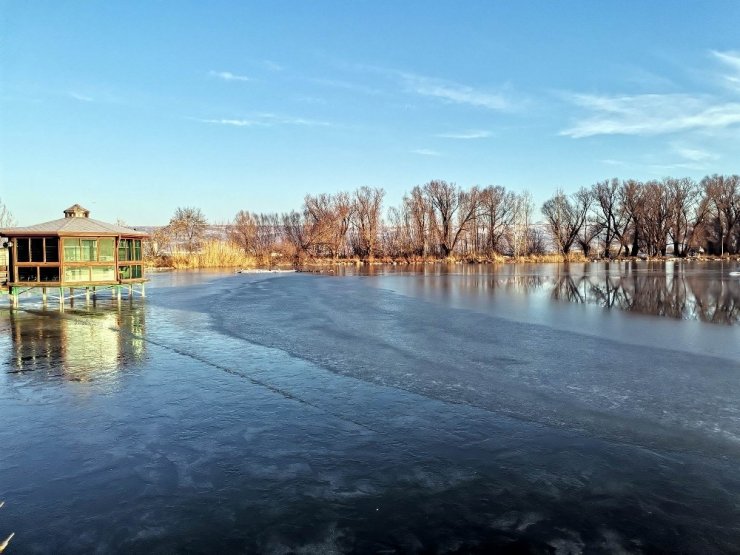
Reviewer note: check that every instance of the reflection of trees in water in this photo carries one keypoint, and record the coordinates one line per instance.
(671, 295)
(79, 345)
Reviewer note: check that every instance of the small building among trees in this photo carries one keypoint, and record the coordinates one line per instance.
(74, 251)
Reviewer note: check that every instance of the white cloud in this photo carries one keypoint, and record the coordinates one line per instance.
(465, 135)
(426, 152)
(650, 114)
(456, 93)
(81, 97)
(339, 84)
(272, 66)
(233, 122)
(732, 60)
(694, 154)
(228, 76)
(266, 120)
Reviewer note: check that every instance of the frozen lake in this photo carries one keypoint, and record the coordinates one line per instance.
(456, 409)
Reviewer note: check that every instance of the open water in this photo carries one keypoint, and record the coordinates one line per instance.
(529, 409)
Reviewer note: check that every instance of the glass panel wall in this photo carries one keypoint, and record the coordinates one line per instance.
(106, 245)
(89, 249)
(103, 273)
(72, 250)
(129, 249)
(130, 272)
(80, 273)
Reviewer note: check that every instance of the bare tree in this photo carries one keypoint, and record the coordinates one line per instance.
(566, 218)
(159, 243)
(655, 217)
(368, 204)
(243, 231)
(188, 226)
(689, 210)
(331, 216)
(298, 234)
(631, 198)
(497, 211)
(723, 192)
(520, 236)
(608, 214)
(445, 200)
(256, 234)
(6, 216)
(417, 209)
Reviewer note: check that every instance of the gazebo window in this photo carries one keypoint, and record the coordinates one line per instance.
(86, 250)
(28, 274)
(52, 249)
(107, 249)
(72, 250)
(37, 249)
(129, 249)
(23, 252)
(77, 273)
(129, 272)
(89, 250)
(103, 273)
(49, 274)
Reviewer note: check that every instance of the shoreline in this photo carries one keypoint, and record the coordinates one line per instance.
(339, 263)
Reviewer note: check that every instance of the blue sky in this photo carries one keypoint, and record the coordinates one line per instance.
(135, 108)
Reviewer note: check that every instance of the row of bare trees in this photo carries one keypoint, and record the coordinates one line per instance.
(630, 216)
(437, 219)
(440, 219)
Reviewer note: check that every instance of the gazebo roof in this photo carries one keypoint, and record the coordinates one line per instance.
(80, 226)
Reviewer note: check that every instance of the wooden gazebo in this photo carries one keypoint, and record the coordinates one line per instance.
(73, 252)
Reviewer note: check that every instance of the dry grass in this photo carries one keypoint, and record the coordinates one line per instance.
(223, 254)
(214, 254)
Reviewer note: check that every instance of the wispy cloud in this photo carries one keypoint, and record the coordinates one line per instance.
(272, 66)
(228, 76)
(732, 60)
(456, 93)
(694, 154)
(650, 114)
(80, 97)
(232, 122)
(662, 169)
(346, 85)
(465, 135)
(266, 120)
(426, 152)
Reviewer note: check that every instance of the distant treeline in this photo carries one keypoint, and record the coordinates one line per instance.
(442, 220)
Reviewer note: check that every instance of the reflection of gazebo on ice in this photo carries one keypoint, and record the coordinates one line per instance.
(75, 252)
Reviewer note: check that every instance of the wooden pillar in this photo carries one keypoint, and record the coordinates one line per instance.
(142, 290)
(87, 295)
(43, 295)
(14, 297)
